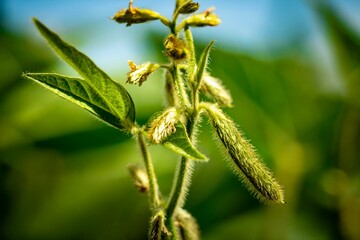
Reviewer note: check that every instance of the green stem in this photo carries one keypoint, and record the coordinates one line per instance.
(177, 198)
(196, 99)
(166, 21)
(183, 173)
(185, 167)
(173, 23)
(154, 188)
(192, 60)
(184, 99)
(174, 19)
(181, 182)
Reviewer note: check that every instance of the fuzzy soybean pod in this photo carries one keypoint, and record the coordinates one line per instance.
(245, 161)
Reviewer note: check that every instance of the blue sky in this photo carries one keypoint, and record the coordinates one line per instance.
(248, 21)
(255, 26)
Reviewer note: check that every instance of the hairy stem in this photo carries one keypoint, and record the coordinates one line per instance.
(181, 180)
(185, 167)
(174, 19)
(184, 99)
(192, 60)
(153, 185)
(179, 191)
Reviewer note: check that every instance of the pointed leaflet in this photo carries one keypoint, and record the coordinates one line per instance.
(180, 143)
(78, 91)
(202, 64)
(115, 95)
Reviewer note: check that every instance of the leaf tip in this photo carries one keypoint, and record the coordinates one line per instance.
(28, 76)
(24, 75)
(40, 27)
(36, 21)
(200, 157)
(203, 158)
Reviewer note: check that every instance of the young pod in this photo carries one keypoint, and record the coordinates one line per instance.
(163, 126)
(245, 160)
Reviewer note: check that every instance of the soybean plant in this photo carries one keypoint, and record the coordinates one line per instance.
(185, 79)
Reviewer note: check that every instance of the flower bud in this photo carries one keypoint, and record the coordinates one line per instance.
(139, 74)
(188, 7)
(179, 3)
(140, 178)
(175, 48)
(206, 18)
(214, 90)
(135, 15)
(163, 126)
(188, 227)
(245, 160)
(157, 227)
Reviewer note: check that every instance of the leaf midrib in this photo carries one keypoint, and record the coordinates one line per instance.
(90, 84)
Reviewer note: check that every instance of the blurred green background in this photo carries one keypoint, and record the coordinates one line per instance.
(293, 68)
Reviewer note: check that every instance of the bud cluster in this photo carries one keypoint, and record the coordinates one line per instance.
(163, 126)
(138, 74)
(175, 48)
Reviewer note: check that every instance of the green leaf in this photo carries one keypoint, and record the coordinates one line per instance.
(82, 93)
(203, 63)
(180, 143)
(116, 95)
